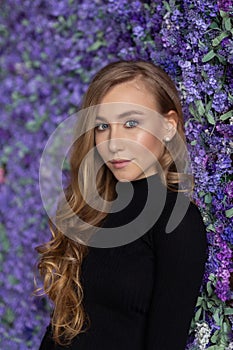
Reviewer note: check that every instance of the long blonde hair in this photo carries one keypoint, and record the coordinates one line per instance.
(61, 258)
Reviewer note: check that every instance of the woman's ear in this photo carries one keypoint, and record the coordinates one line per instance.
(171, 118)
(171, 122)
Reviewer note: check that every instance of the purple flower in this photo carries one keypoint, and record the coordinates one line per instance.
(229, 189)
(225, 5)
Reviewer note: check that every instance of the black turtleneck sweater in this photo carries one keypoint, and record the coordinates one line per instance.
(142, 295)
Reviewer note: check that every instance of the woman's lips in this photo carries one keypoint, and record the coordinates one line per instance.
(120, 164)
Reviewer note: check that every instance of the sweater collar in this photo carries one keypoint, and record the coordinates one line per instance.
(141, 184)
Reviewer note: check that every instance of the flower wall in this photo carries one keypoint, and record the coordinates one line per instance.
(49, 52)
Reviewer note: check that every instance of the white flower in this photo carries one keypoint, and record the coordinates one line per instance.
(230, 346)
(202, 334)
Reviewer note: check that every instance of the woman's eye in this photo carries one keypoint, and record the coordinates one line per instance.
(132, 122)
(98, 126)
(102, 126)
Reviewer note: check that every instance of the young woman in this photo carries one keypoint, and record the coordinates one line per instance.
(139, 290)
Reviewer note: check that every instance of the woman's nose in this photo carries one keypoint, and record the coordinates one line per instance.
(115, 141)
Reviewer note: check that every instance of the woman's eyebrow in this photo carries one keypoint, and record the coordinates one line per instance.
(123, 115)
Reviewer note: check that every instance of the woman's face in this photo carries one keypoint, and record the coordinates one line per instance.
(126, 127)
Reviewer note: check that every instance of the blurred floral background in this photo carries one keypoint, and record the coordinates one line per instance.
(49, 52)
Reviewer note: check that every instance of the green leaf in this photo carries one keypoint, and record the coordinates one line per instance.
(216, 316)
(43, 55)
(220, 38)
(8, 316)
(96, 45)
(16, 96)
(200, 107)
(227, 24)
(225, 327)
(147, 7)
(201, 44)
(35, 125)
(201, 193)
(70, 20)
(229, 213)
(209, 288)
(212, 277)
(5, 244)
(210, 118)
(209, 105)
(12, 280)
(191, 110)
(199, 301)
(226, 115)
(208, 198)
(214, 25)
(194, 142)
(223, 341)
(167, 6)
(25, 22)
(211, 54)
(228, 311)
(230, 97)
(66, 165)
(1, 260)
(33, 98)
(223, 13)
(198, 314)
(215, 336)
(32, 125)
(211, 227)
(7, 150)
(221, 58)
(221, 318)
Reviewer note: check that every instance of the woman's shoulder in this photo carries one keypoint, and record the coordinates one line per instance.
(182, 206)
(183, 200)
(180, 220)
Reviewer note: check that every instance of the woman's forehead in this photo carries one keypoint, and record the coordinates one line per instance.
(121, 110)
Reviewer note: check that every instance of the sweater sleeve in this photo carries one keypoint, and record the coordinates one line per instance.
(47, 342)
(180, 258)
